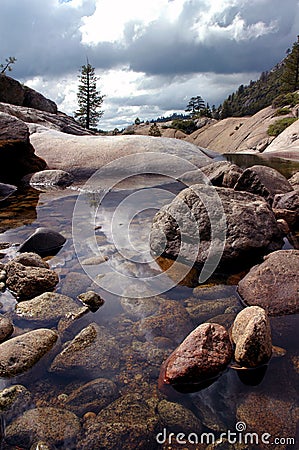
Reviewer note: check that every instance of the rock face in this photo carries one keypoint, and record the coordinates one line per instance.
(54, 425)
(286, 143)
(11, 91)
(203, 355)
(27, 281)
(251, 228)
(251, 334)
(6, 190)
(264, 181)
(43, 241)
(17, 156)
(93, 351)
(19, 354)
(47, 308)
(83, 155)
(46, 178)
(274, 284)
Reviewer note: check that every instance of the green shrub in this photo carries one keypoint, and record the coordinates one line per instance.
(187, 126)
(283, 111)
(291, 98)
(280, 125)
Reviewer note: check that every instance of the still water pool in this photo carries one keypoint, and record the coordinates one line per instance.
(142, 332)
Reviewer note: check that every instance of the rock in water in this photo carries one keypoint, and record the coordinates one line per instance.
(245, 229)
(13, 401)
(55, 425)
(251, 332)
(21, 353)
(6, 328)
(6, 190)
(274, 284)
(202, 356)
(46, 178)
(43, 241)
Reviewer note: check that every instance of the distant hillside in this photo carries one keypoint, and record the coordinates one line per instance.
(248, 100)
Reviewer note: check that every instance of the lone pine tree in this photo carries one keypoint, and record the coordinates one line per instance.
(89, 98)
(290, 77)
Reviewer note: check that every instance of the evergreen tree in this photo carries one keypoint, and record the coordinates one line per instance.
(290, 77)
(195, 105)
(154, 130)
(89, 99)
(7, 66)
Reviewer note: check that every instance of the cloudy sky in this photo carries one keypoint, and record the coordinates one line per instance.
(151, 55)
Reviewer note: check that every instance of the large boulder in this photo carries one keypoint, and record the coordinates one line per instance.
(222, 173)
(202, 356)
(13, 92)
(264, 181)
(294, 181)
(21, 353)
(274, 284)
(83, 155)
(245, 229)
(17, 156)
(288, 205)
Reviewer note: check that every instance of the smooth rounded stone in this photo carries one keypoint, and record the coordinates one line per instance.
(264, 181)
(53, 425)
(6, 328)
(13, 401)
(129, 420)
(251, 333)
(294, 181)
(47, 308)
(93, 300)
(177, 418)
(94, 260)
(74, 283)
(21, 353)
(265, 414)
(203, 355)
(93, 351)
(31, 259)
(274, 284)
(6, 190)
(288, 202)
(170, 320)
(43, 241)
(92, 396)
(51, 178)
(139, 308)
(203, 310)
(248, 223)
(27, 282)
(213, 292)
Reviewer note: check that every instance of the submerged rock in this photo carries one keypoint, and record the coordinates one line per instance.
(245, 229)
(54, 425)
(93, 351)
(6, 328)
(21, 353)
(92, 396)
(274, 284)
(203, 355)
(251, 333)
(13, 401)
(43, 241)
(48, 307)
(74, 283)
(177, 418)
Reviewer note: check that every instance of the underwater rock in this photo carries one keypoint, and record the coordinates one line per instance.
(177, 418)
(43, 241)
(13, 401)
(21, 353)
(251, 333)
(74, 283)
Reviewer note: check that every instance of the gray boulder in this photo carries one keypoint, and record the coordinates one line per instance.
(222, 173)
(43, 241)
(48, 178)
(46, 309)
(274, 284)
(202, 356)
(54, 425)
(6, 190)
(287, 205)
(21, 353)
(251, 333)
(264, 181)
(245, 229)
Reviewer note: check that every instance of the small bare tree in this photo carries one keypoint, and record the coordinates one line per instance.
(8, 63)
